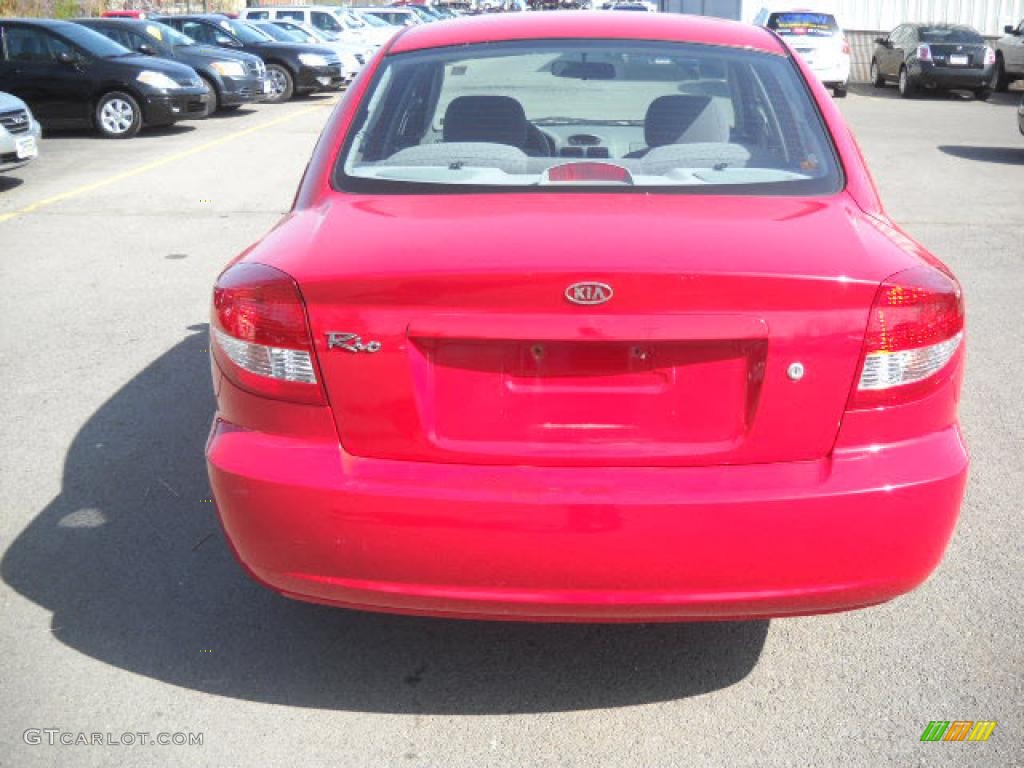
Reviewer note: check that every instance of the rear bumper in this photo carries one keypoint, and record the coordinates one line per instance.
(832, 76)
(586, 544)
(951, 77)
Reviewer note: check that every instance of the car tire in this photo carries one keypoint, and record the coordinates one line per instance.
(214, 103)
(876, 76)
(907, 87)
(117, 115)
(282, 84)
(1000, 82)
(982, 94)
(839, 91)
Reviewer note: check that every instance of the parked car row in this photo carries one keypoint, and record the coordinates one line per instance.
(118, 74)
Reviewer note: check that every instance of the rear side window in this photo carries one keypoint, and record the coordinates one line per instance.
(961, 35)
(257, 14)
(802, 24)
(588, 113)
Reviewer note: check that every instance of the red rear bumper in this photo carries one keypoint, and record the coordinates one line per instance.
(587, 544)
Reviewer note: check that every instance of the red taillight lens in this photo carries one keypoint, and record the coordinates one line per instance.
(260, 335)
(990, 57)
(914, 329)
(846, 47)
(924, 53)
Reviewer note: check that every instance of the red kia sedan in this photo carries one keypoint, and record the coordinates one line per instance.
(588, 317)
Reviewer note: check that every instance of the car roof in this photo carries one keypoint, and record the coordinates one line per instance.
(194, 17)
(55, 24)
(587, 24)
(940, 25)
(116, 21)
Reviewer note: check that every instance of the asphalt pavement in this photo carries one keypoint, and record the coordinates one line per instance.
(122, 611)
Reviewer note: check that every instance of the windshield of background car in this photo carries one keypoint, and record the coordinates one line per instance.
(91, 41)
(621, 114)
(278, 33)
(244, 32)
(371, 21)
(167, 34)
(958, 35)
(298, 34)
(803, 24)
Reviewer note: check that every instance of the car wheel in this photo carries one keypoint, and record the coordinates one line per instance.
(214, 103)
(118, 116)
(876, 77)
(906, 85)
(282, 85)
(839, 91)
(982, 94)
(999, 81)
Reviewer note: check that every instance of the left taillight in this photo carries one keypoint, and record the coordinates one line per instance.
(260, 334)
(924, 52)
(915, 327)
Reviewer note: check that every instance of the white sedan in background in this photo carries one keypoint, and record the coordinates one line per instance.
(19, 133)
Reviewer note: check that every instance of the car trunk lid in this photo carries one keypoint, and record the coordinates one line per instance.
(730, 332)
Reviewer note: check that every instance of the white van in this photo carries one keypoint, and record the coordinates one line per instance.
(817, 37)
(332, 21)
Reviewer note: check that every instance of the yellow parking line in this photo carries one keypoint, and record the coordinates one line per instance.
(157, 163)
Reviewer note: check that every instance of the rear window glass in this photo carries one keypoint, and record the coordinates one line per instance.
(950, 35)
(804, 24)
(598, 114)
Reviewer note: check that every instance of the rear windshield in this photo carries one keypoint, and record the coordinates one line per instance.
(588, 113)
(950, 35)
(804, 24)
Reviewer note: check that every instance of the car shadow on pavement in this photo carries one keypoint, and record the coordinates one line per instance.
(1002, 155)
(9, 182)
(130, 561)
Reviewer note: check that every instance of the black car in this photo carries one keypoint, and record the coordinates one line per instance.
(933, 56)
(71, 76)
(292, 68)
(234, 78)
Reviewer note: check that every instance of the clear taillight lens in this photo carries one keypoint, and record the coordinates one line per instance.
(990, 57)
(260, 334)
(924, 53)
(914, 330)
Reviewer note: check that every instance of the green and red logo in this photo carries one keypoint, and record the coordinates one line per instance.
(958, 730)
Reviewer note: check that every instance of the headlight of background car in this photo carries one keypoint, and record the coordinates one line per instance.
(313, 59)
(157, 80)
(228, 68)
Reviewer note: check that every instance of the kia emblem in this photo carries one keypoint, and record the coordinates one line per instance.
(589, 293)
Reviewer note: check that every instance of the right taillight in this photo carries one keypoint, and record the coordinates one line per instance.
(260, 334)
(915, 328)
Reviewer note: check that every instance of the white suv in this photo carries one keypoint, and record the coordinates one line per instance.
(817, 38)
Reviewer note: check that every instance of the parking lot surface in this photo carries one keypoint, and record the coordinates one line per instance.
(123, 611)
